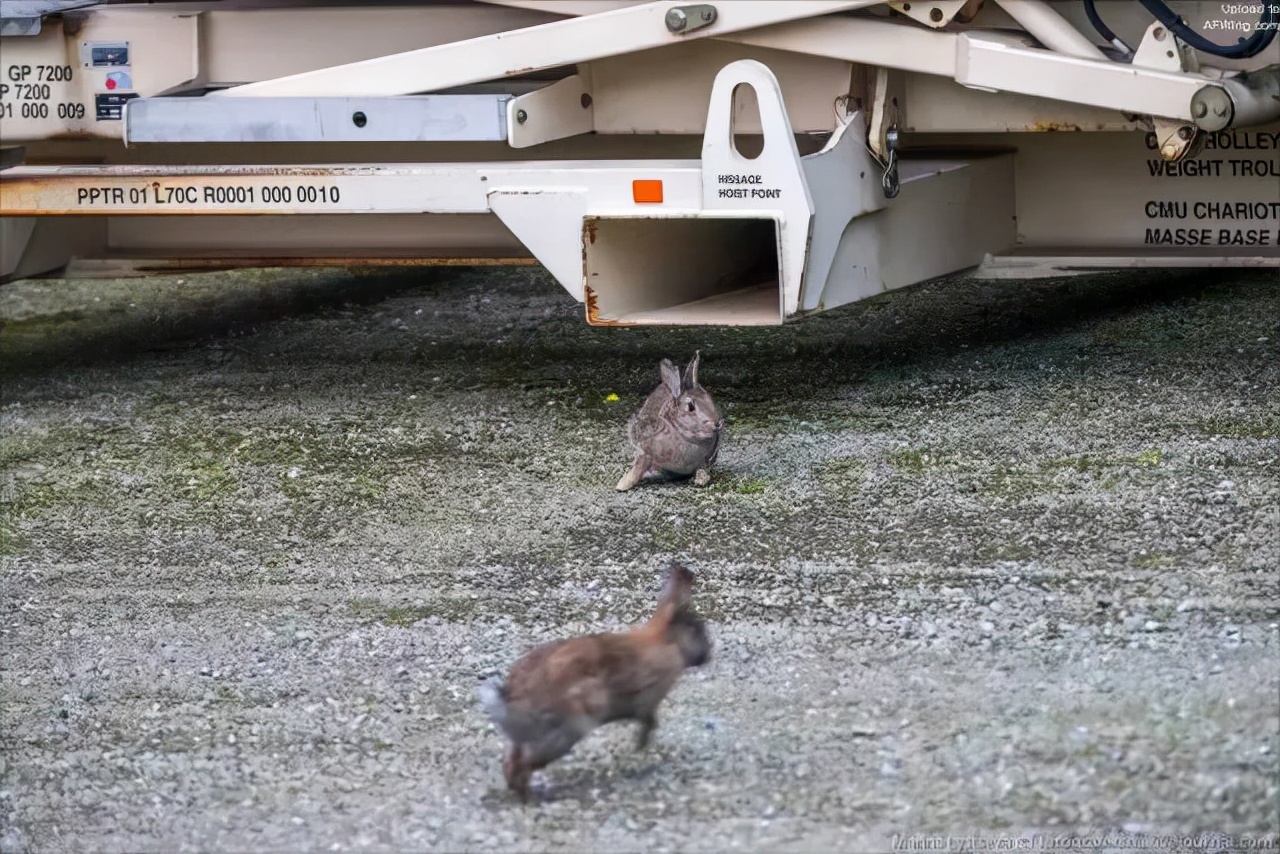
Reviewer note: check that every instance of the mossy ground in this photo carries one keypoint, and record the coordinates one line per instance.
(1020, 536)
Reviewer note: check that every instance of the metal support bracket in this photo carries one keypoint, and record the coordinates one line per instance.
(563, 109)
(23, 17)
(936, 14)
(686, 19)
(1177, 141)
(842, 180)
(886, 111)
(1163, 51)
(772, 181)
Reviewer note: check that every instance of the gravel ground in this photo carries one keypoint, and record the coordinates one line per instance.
(991, 559)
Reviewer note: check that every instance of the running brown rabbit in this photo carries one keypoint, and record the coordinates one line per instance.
(559, 692)
(677, 431)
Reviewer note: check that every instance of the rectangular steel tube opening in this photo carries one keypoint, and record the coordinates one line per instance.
(682, 271)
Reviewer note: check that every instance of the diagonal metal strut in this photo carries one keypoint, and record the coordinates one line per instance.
(517, 52)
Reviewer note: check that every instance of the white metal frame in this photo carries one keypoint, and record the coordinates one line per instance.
(1070, 69)
(550, 206)
(834, 235)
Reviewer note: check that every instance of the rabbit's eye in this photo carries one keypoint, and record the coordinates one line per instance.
(689, 405)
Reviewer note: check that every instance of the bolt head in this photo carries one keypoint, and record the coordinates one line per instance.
(676, 20)
(521, 117)
(1199, 109)
(1169, 151)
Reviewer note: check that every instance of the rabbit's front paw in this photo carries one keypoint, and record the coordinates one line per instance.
(702, 477)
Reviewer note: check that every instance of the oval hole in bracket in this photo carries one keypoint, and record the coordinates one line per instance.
(744, 126)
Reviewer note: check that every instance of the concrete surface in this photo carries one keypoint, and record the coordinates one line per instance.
(994, 561)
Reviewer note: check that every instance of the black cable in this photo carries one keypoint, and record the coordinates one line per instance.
(1261, 39)
(1243, 49)
(1091, 12)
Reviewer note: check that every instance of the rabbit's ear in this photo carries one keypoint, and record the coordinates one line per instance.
(676, 593)
(678, 588)
(670, 377)
(691, 371)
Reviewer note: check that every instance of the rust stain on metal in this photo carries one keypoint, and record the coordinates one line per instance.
(1047, 126)
(590, 225)
(591, 300)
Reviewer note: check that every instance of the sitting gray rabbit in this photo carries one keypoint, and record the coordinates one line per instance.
(677, 431)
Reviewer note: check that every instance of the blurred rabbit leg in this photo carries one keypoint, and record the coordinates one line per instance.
(637, 473)
(702, 477)
(648, 723)
(522, 762)
(517, 771)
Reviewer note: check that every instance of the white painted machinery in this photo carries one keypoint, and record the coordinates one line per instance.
(733, 162)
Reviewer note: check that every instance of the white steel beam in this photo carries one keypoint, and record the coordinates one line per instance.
(1050, 28)
(870, 42)
(988, 61)
(566, 7)
(454, 188)
(517, 52)
(983, 62)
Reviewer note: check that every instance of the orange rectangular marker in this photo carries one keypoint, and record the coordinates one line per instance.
(646, 192)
